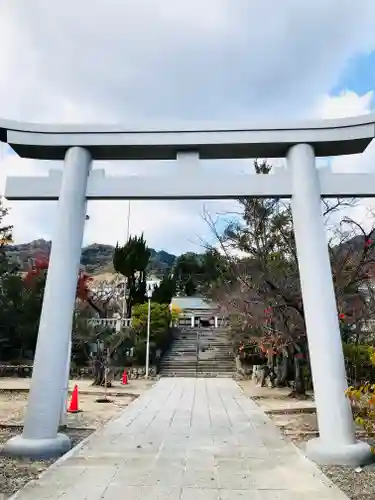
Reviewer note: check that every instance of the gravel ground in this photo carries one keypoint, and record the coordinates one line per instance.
(299, 425)
(357, 484)
(15, 472)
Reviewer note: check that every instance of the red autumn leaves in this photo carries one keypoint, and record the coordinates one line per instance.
(41, 264)
(83, 285)
(268, 315)
(368, 243)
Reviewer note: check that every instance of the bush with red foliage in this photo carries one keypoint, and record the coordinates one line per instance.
(36, 269)
(40, 265)
(83, 285)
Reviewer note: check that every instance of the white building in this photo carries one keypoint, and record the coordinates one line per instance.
(196, 312)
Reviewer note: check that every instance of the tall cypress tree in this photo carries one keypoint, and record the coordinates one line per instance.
(164, 292)
(131, 260)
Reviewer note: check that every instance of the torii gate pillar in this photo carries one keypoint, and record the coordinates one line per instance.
(40, 438)
(336, 444)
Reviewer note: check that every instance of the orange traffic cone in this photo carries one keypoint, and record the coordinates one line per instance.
(124, 380)
(73, 407)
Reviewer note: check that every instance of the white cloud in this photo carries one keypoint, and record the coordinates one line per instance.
(347, 103)
(162, 60)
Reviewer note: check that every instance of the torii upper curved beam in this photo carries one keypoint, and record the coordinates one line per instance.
(273, 140)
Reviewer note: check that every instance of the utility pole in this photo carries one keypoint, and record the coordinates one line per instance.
(125, 282)
(149, 296)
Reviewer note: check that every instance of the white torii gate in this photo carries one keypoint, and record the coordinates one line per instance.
(299, 142)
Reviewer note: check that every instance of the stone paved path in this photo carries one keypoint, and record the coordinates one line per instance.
(185, 439)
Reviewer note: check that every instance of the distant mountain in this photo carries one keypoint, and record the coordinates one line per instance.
(96, 258)
(355, 245)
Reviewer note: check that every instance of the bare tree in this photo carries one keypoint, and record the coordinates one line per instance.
(261, 291)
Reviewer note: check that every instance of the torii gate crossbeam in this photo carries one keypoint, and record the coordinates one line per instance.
(189, 187)
(300, 143)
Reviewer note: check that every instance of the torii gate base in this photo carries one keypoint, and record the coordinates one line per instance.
(301, 182)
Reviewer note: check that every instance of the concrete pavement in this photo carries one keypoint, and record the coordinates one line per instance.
(185, 439)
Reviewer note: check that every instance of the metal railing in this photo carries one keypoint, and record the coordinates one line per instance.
(115, 323)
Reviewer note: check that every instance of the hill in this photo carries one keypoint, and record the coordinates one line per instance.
(95, 258)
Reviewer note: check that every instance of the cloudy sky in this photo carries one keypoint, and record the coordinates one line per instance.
(141, 61)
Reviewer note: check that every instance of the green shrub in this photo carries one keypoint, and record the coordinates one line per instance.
(359, 366)
(159, 324)
(362, 398)
(363, 405)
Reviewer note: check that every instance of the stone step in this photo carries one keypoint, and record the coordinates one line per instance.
(190, 352)
(198, 375)
(182, 347)
(180, 352)
(202, 341)
(219, 338)
(204, 349)
(194, 372)
(214, 365)
(209, 333)
(208, 346)
(200, 368)
(192, 366)
(193, 362)
(210, 369)
(189, 329)
(206, 352)
(190, 356)
(202, 356)
(215, 354)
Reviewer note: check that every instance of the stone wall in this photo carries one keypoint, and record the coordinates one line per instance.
(25, 371)
(21, 371)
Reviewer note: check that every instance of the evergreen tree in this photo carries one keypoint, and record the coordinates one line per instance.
(188, 273)
(165, 291)
(20, 306)
(131, 261)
